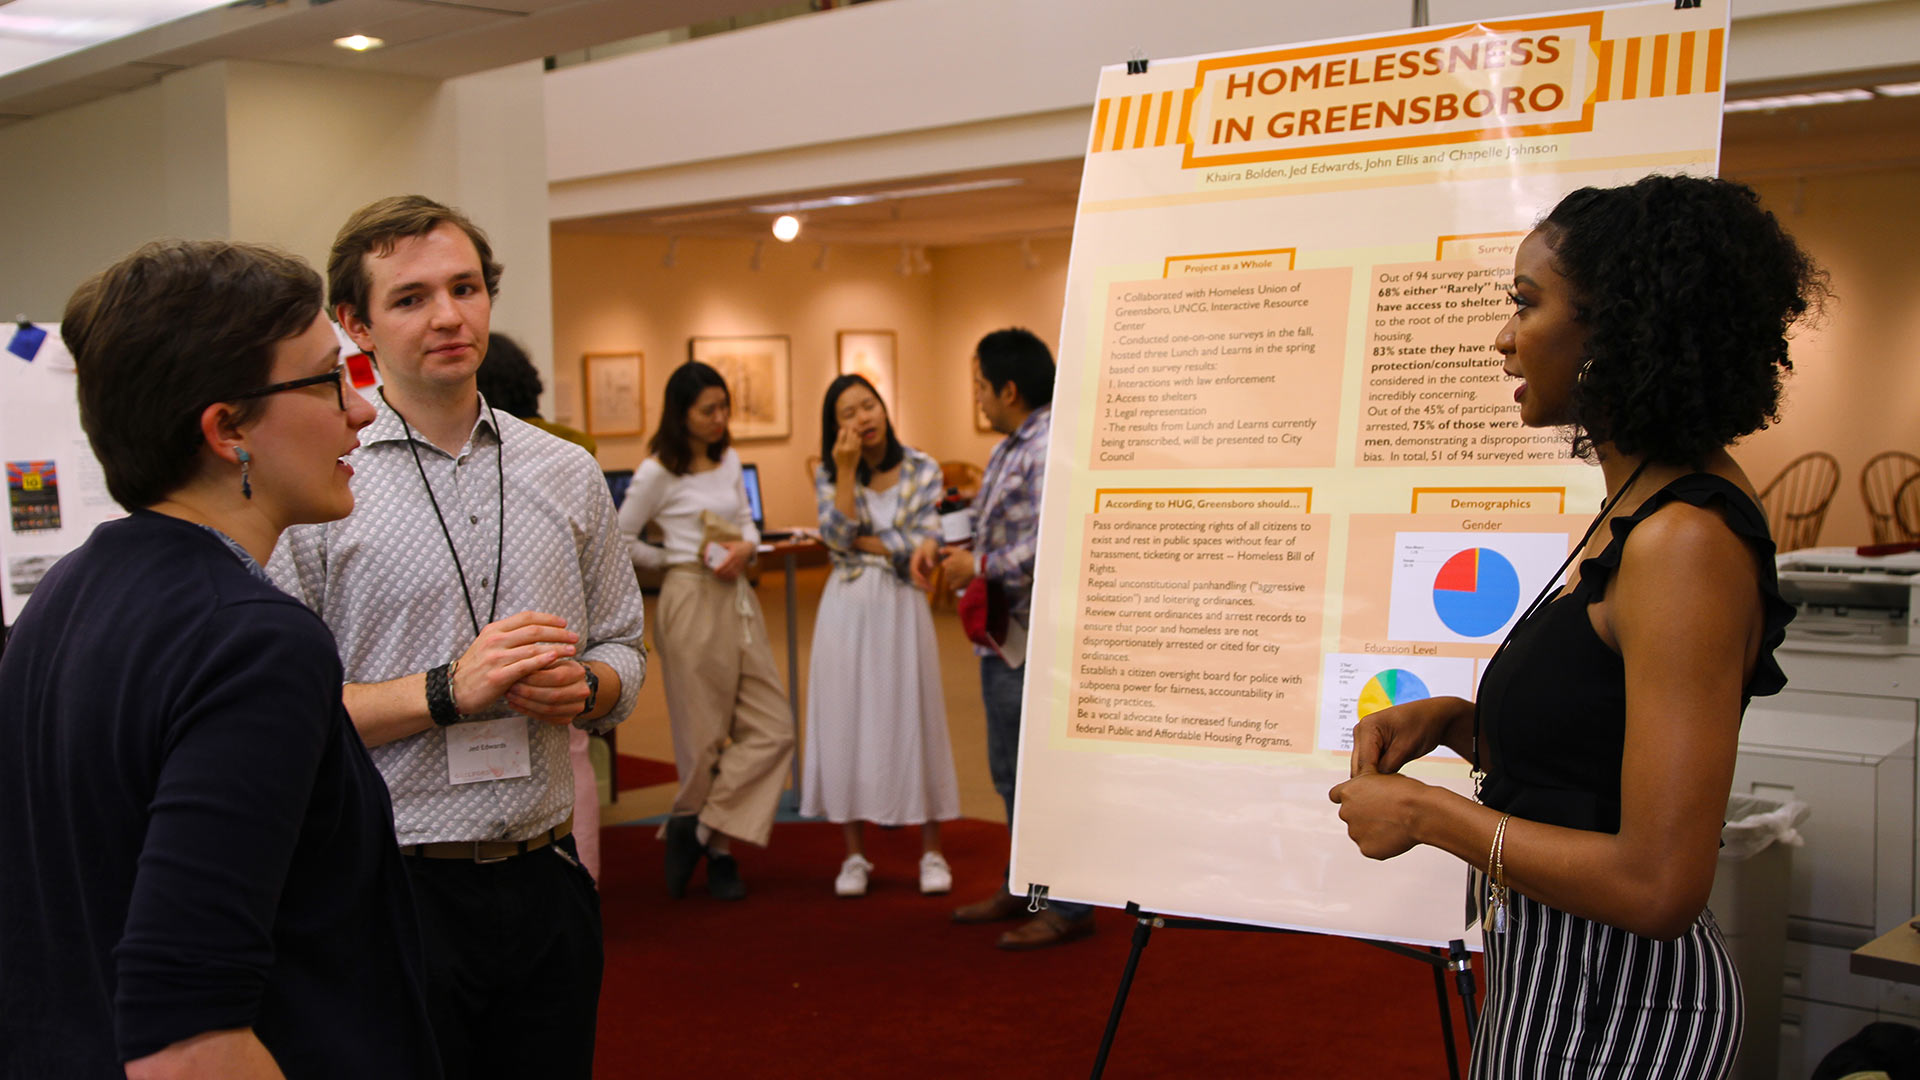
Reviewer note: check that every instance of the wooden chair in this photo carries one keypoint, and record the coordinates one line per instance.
(813, 466)
(1796, 501)
(1880, 481)
(963, 476)
(1906, 509)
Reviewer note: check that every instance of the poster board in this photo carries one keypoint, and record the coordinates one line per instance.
(1286, 483)
(56, 492)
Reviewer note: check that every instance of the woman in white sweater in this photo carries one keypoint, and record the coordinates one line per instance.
(732, 725)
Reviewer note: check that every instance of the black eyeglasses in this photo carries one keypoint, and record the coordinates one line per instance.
(338, 377)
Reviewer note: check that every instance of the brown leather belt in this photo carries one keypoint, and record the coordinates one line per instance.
(488, 851)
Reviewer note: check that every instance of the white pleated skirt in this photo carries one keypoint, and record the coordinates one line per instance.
(876, 723)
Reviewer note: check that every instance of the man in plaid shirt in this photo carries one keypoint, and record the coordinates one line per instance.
(1013, 386)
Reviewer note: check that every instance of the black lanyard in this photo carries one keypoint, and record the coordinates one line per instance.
(1605, 509)
(499, 558)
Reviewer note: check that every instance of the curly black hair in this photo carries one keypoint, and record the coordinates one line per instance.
(1688, 288)
(508, 380)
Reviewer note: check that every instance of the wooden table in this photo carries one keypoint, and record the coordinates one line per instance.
(1893, 955)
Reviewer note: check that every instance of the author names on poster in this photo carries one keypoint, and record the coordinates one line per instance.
(1433, 392)
(1239, 371)
(1200, 630)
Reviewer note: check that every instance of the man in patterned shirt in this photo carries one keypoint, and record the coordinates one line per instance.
(1013, 387)
(483, 602)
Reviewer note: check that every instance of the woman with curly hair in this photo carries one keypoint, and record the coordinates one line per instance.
(1651, 318)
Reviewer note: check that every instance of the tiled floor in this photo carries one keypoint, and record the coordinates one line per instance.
(645, 733)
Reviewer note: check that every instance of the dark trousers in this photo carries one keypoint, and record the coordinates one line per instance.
(1000, 688)
(513, 955)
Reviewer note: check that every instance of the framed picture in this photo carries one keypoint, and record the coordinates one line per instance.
(612, 386)
(870, 353)
(759, 374)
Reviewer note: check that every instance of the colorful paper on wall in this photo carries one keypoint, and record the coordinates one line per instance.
(56, 492)
(1288, 485)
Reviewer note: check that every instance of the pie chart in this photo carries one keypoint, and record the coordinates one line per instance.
(1476, 592)
(1394, 686)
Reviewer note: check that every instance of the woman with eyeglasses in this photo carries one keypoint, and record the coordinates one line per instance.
(200, 872)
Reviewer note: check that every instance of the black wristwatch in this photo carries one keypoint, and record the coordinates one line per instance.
(593, 688)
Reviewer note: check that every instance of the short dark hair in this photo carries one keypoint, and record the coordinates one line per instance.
(376, 227)
(1687, 287)
(830, 430)
(671, 442)
(174, 327)
(507, 379)
(1016, 356)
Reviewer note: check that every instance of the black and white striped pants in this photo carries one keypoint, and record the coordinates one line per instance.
(1573, 999)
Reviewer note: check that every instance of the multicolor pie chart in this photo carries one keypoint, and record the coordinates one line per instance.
(1394, 686)
(1476, 592)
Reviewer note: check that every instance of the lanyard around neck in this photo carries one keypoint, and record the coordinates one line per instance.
(500, 555)
(1606, 508)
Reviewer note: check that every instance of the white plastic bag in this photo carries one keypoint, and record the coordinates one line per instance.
(1754, 823)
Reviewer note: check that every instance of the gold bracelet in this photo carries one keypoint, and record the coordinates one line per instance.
(1496, 875)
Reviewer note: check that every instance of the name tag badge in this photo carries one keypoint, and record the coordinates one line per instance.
(482, 750)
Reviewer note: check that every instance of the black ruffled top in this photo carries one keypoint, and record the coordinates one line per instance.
(1553, 703)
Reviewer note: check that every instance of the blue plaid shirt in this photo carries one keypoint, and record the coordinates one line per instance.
(918, 518)
(1006, 516)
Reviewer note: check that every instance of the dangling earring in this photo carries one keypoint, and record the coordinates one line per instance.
(246, 464)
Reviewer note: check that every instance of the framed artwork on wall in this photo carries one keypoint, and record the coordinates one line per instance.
(871, 353)
(612, 386)
(759, 374)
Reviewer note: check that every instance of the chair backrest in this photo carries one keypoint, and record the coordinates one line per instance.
(1796, 501)
(813, 466)
(964, 476)
(1906, 509)
(1880, 479)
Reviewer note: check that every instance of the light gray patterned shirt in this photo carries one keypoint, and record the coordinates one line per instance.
(384, 581)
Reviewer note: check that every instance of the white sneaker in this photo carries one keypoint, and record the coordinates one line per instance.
(935, 875)
(853, 877)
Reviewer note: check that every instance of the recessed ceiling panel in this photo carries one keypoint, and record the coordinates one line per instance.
(36, 31)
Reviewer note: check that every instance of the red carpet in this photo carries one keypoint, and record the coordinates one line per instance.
(795, 982)
(639, 772)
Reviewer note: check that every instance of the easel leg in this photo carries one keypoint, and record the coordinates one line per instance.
(1142, 929)
(1461, 962)
(1446, 1014)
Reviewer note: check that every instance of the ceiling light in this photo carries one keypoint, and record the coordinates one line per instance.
(358, 42)
(1905, 89)
(785, 228)
(1793, 101)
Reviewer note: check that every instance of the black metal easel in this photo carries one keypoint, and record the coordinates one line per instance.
(1455, 959)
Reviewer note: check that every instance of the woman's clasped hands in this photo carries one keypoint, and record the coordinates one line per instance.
(1382, 809)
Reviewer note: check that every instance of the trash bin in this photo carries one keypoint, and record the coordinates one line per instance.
(1749, 901)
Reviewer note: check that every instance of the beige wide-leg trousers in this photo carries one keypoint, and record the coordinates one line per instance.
(732, 726)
